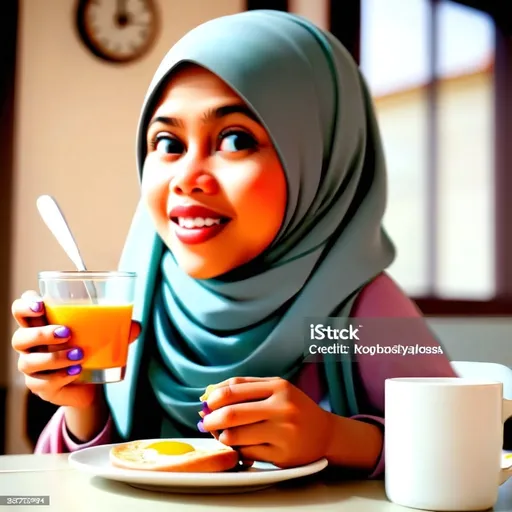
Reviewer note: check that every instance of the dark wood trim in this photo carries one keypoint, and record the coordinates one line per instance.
(345, 25)
(503, 161)
(8, 42)
(432, 157)
(432, 306)
(276, 5)
(3, 424)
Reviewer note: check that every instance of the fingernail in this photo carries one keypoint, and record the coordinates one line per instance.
(200, 426)
(206, 409)
(62, 332)
(75, 354)
(74, 370)
(36, 306)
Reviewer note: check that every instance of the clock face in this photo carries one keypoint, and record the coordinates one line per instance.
(117, 30)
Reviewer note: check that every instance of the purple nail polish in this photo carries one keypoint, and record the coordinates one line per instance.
(62, 332)
(200, 426)
(206, 409)
(74, 370)
(75, 354)
(36, 306)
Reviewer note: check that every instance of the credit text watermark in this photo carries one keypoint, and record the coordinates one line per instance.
(373, 350)
(338, 337)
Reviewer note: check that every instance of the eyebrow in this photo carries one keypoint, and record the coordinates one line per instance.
(210, 115)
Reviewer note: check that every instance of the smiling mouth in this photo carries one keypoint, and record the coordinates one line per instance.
(197, 224)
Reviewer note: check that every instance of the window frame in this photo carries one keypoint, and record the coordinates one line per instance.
(501, 304)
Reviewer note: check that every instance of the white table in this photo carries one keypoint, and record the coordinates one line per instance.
(72, 491)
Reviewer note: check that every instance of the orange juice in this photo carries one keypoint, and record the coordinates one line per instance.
(100, 330)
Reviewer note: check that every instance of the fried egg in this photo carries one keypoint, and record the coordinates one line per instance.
(172, 455)
(161, 449)
(207, 392)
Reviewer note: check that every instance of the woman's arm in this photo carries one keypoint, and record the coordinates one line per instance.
(55, 437)
(388, 319)
(364, 450)
(72, 429)
(84, 423)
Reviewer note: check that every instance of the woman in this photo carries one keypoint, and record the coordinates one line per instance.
(263, 192)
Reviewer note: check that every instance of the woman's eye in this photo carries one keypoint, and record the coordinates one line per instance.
(169, 146)
(236, 141)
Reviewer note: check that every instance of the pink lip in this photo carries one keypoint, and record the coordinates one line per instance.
(195, 211)
(196, 235)
(192, 236)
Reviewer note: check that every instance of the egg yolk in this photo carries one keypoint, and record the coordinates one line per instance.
(170, 447)
(207, 392)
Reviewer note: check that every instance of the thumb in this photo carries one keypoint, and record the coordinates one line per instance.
(135, 330)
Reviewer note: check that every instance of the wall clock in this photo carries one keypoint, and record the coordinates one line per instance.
(118, 31)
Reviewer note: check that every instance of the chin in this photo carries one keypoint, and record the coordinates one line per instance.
(200, 263)
(196, 267)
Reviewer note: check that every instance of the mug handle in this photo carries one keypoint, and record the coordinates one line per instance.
(506, 472)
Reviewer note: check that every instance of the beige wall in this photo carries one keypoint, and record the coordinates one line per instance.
(316, 11)
(75, 126)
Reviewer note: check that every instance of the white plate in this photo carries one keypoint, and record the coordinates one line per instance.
(506, 459)
(95, 461)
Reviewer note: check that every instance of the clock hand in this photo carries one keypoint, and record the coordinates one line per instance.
(121, 7)
(121, 15)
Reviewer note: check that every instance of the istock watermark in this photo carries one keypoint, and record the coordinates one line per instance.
(322, 332)
(351, 338)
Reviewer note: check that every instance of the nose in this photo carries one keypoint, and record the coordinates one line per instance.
(194, 179)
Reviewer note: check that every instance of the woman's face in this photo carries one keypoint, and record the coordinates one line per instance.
(212, 179)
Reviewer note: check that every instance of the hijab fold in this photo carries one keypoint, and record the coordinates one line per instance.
(308, 92)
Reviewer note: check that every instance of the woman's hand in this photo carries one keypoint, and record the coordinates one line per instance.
(47, 357)
(268, 419)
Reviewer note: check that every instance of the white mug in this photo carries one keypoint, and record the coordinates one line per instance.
(443, 442)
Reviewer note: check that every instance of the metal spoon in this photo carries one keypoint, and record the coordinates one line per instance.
(54, 218)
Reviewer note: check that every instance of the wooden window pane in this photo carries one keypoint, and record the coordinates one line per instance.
(465, 166)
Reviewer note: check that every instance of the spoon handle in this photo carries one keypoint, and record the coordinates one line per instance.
(54, 219)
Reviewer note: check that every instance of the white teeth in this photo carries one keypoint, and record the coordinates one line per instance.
(198, 222)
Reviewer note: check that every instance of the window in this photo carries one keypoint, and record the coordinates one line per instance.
(465, 163)
(429, 66)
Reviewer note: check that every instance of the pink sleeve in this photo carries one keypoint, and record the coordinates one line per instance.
(56, 439)
(392, 319)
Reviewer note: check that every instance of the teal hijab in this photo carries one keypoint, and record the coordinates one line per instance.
(310, 96)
